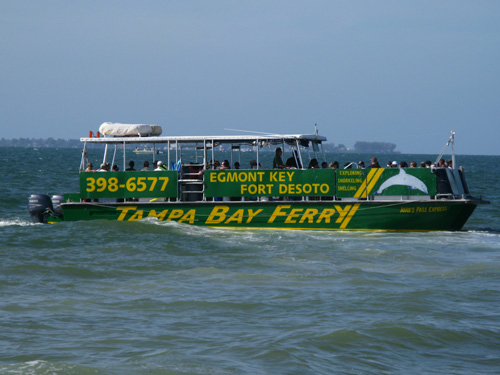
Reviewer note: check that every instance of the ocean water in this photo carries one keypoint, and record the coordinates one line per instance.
(157, 298)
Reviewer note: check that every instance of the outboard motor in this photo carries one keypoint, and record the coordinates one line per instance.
(39, 206)
(56, 204)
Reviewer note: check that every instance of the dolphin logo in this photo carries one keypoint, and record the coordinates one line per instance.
(404, 179)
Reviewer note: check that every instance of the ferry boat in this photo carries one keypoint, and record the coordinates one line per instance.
(189, 188)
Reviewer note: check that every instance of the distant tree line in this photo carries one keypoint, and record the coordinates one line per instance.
(374, 147)
(362, 147)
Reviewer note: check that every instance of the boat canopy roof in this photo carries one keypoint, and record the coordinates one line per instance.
(261, 139)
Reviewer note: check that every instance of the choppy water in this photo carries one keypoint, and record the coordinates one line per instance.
(164, 298)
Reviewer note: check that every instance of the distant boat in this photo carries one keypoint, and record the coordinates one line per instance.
(146, 150)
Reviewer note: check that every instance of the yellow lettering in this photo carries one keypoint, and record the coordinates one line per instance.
(290, 175)
(160, 215)
(124, 210)
(407, 210)
(342, 212)
(277, 212)
(175, 214)
(237, 216)
(309, 215)
(217, 215)
(189, 216)
(252, 214)
(272, 176)
(137, 215)
(326, 214)
(349, 215)
(292, 215)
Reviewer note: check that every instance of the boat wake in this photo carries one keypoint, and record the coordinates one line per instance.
(485, 230)
(16, 222)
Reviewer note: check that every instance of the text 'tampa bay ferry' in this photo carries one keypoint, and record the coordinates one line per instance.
(192, 191)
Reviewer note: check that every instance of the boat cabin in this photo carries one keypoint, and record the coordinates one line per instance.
(190, 172)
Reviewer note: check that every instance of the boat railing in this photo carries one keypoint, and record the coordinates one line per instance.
(191, 182)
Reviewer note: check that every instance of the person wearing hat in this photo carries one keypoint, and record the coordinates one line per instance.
(104, 168)
(374, 163)
(361, 164)
(394, 164)
(90, 168)
(160, 166)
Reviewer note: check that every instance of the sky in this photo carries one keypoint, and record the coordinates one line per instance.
(404, 72)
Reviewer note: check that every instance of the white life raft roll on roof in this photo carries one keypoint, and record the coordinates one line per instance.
(129, 130)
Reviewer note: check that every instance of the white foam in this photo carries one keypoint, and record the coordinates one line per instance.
(15, 222)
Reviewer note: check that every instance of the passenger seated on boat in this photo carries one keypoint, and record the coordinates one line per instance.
(145, 166)
(403, 164)
(394, 164)
(160, 166)
(361, 164)
(90, 168)
(324, 165)
(413, 164)
(374, 163)
(442, 163)
(291, 162)
(130, 166)
(277, 161)
(389, 164)
(313, 164)
(225, 165)
(449, 163)
(115, 168)
(104, 168)
(253, 164)
(236, 165)
(334, 164)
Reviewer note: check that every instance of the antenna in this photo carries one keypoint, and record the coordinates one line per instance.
(250, 131)
(452, 141)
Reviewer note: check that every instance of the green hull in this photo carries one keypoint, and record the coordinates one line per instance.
(307, 215)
